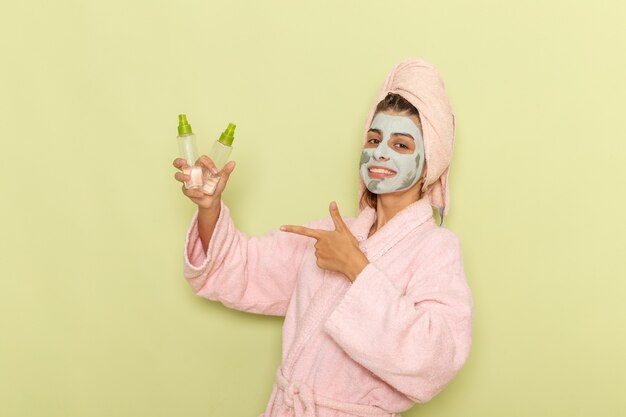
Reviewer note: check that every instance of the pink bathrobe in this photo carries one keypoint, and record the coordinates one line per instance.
(395, 337)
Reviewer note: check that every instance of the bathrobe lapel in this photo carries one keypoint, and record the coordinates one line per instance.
(392, 232)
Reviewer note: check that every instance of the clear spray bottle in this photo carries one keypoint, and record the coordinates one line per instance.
(219, 155)
(188, 150)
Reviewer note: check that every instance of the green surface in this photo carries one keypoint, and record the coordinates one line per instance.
(96, 319)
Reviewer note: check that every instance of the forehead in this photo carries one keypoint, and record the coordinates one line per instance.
(395, 124)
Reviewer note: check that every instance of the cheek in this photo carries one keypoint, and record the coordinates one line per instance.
(365, 157)
(406, 163)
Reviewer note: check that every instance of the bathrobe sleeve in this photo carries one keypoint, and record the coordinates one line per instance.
(253, 274)
(417, 340)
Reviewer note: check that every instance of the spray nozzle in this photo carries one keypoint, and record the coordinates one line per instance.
(184, 128)
(228, 135)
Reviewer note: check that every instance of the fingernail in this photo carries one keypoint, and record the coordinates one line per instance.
(214, 170)
(283, 228)
(333, 205)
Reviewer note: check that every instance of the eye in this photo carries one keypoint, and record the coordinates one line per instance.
(402, 145)
(373, 139)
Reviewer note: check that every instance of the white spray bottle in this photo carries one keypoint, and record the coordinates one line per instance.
(188, 150)
(219, 155)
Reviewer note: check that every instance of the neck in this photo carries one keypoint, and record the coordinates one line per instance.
(388, 205)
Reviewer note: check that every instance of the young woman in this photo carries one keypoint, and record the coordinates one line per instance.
(377, 309)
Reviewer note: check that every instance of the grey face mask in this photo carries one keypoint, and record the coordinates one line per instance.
(405, 168)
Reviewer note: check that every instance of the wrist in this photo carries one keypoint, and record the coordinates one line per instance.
(211, 208)
(356, 267)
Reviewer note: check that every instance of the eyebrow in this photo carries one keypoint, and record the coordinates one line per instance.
(395, 133)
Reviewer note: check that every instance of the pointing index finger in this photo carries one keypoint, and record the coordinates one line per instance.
(301, 230)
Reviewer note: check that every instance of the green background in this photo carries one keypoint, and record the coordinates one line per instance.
(95, 316)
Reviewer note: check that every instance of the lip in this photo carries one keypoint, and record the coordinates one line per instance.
(379, 175)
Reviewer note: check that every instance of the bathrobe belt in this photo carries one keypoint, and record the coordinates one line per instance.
(301, 398)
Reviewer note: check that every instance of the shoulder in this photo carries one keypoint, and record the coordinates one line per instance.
(434, 235)
(445, 237)
(441, 248)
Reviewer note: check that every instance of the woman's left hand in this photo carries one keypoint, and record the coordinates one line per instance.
(336, 250)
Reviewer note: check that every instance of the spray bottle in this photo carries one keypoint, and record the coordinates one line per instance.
(188, 150)
(219, 155)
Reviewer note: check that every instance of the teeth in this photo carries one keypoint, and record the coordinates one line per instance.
(381, 171)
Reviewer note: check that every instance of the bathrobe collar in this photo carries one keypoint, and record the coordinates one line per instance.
(396, 228)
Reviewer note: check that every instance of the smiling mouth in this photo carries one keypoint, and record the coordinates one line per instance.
(378, 172)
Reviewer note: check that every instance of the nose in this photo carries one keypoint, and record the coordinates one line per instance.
(381, 153)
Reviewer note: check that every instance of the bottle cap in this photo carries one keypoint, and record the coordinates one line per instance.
(228, 135)
(184, 128)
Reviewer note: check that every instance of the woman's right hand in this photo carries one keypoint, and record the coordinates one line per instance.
(196, 195)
